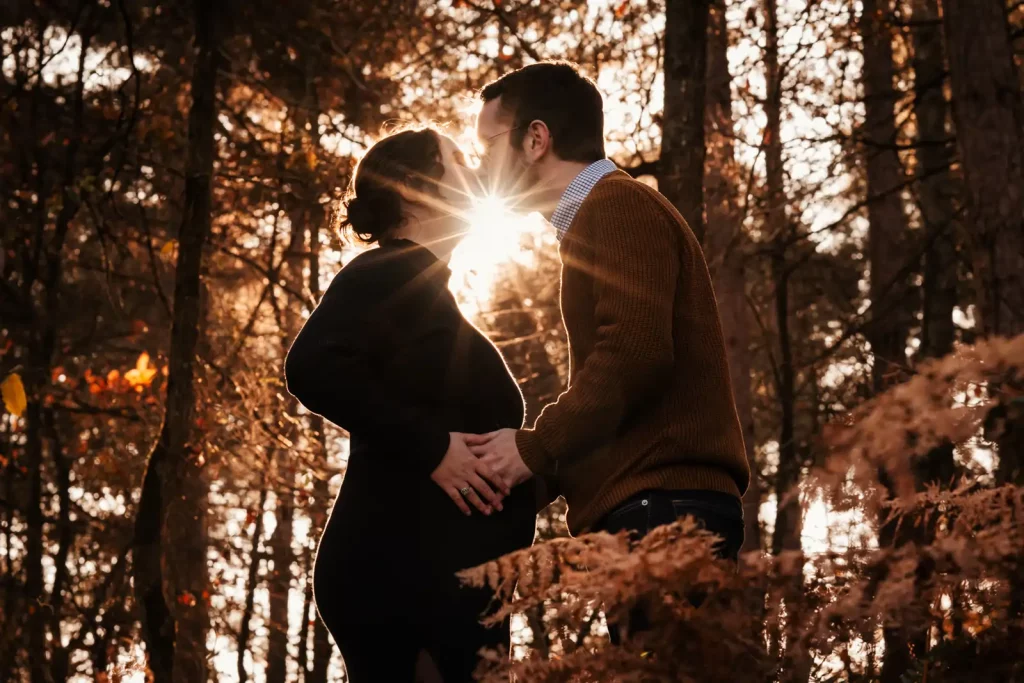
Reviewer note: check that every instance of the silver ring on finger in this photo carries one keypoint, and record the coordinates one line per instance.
(465, 490)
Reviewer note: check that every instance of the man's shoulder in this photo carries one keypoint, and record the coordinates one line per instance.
(620, 197)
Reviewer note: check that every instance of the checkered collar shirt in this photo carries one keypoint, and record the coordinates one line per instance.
(578, 191)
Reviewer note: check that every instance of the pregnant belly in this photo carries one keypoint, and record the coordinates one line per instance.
(450, 540)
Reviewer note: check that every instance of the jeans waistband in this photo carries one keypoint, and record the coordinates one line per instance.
(717, 501)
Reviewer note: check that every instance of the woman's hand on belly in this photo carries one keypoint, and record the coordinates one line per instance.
(463, 477)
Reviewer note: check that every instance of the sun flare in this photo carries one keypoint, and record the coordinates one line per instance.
(494, 237)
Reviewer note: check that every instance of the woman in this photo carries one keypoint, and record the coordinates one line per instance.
(388, 356)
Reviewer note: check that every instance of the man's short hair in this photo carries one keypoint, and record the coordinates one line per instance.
(556, 93)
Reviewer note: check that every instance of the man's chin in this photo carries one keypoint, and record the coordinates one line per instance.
(525, 197)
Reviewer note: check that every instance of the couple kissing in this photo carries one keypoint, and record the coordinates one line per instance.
(442, 475)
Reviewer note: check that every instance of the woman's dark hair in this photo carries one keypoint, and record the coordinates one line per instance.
(560, 96)
(406, 162)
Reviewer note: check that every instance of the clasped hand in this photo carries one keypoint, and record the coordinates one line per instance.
(468, 479)
(481, 469)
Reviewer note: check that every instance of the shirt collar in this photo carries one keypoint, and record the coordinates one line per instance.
(578, 190)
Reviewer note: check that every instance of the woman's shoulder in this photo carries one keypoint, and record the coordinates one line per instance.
(384, 272)
(375, 267)
(398, 257)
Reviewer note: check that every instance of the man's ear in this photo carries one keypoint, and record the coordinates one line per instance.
(537, 141)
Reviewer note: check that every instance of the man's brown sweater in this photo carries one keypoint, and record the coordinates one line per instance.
(649, 404)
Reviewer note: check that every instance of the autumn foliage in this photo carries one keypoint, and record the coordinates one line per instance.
(960, 585)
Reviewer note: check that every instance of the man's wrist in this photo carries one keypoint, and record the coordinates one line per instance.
(533, 453)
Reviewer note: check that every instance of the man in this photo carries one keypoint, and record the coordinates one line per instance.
(647, 431)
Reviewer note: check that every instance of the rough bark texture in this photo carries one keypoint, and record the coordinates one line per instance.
(681, 169)
(171, 573)
(887, 222)
(725, 250)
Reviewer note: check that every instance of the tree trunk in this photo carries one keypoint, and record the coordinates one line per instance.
(251, 583)
(887, 245)
(989, 115)
(887, 223)
(937, 188)
(8, 625)
(37, 373)
(279, 580)
(725, 250)
(681, 169)
(307, 603)
(36, 640)
(321, 493)
(938, 212)
(788, 522)
(171, 574)
(59, 658)
(789, 513)
(989, 119)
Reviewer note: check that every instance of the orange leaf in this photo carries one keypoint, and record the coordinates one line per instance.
(13, 392)
(142, 375)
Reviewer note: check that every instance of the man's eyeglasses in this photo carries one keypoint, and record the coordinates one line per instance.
(504, 132)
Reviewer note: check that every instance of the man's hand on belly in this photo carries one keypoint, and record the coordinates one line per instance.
(499, 452)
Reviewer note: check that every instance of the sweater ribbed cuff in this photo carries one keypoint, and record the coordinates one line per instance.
(531, 450)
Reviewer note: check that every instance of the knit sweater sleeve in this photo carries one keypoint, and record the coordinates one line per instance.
(634, 269)
(331, 367)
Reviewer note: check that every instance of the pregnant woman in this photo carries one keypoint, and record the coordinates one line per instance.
(388, 356)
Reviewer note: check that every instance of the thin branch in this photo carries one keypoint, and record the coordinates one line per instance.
(509, 24)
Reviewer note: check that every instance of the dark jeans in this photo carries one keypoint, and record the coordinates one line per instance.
(719, 513)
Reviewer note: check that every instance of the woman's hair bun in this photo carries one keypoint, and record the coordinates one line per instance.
(372, 215)
(409, 160)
